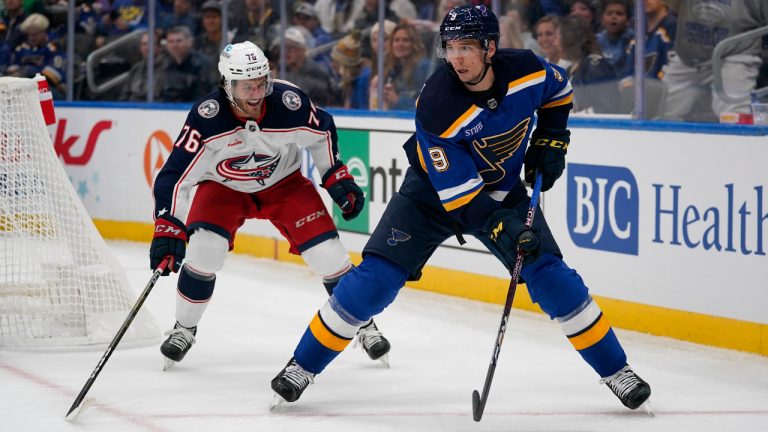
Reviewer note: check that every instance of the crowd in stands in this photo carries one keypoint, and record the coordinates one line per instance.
(331, 49)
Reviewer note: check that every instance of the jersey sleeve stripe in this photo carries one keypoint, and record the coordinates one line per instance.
(565, 101)
(462, 121)
(461, 201)
(421, 157)
(180, 182)
(527, 81)
(457, 196)
(466, 187)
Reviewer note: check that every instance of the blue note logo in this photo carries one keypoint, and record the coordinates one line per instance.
(603, 208)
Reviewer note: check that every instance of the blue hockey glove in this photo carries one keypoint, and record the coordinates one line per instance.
(506, 228)
(170, 239)
(345, 192)
(546, 153)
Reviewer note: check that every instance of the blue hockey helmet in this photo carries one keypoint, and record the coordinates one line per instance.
(470, 22)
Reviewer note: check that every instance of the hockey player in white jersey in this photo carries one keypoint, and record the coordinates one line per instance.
(241, 147)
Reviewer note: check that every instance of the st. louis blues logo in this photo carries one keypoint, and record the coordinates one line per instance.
(257, 167)
(398, 236)
(494, 150)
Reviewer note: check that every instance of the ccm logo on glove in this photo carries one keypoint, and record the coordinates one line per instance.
(345, 192)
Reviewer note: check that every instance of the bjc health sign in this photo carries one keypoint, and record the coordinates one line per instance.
(603, 208)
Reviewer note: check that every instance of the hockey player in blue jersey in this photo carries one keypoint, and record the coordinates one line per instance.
(473, 119)
(240, 148)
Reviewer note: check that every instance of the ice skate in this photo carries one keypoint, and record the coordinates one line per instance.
(290, 383)
(179, 342)
(631, 390)
(374, 343)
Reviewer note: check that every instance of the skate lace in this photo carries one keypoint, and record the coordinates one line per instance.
(180, 338)
(368, 337)
(622, 382)
(297, 376)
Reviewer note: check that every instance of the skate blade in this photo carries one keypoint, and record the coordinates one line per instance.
(646, 407)
(384, 360)
(167, 363)
(277, 400)
(84, 405)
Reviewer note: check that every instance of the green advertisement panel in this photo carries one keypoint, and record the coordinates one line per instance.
(354, 146)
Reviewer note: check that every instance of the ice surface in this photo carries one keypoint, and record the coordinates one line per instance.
(441, 348)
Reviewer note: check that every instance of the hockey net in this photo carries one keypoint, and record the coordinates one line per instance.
(59, 283)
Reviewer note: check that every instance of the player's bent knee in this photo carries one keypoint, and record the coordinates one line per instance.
(369, 288)
(206, 252)
(328, 259)
(555, 287)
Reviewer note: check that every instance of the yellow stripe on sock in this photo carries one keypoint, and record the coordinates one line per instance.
(591, 336)
(325, 337)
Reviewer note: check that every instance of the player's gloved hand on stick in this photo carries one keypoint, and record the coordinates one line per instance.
(170, 239)
(345, 192)
(546, 153)
(506, 228)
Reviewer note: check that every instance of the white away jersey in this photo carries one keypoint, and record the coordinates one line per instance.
(247, 156)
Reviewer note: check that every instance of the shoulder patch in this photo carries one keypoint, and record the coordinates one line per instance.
(208, 109)
(291, 100)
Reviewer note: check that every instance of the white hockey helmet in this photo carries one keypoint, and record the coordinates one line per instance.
(243, 61)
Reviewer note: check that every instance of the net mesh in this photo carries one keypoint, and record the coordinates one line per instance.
(59, 283)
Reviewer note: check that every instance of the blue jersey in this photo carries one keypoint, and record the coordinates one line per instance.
(472, 146)
(46, 60)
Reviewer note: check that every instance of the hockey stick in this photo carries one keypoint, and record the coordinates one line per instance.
(478, 403)
(78, 406)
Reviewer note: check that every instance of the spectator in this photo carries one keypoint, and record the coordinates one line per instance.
(189, 75)
(509, 33)
(659, 37)
(183, 14)
(368, 14)
(301, 70)
(616, 34)
(5, 53)
(517, 12)
(37, 55)
(370, 51)
(406, 68)
(305, 15)
(130, 15)
(257, 24)
(593, 78)
(373, 45)
(689, 73)
(348, 64)
(587, 10)
(209, 42)
(335, 16)
(13, 16)
(135, 88)
(547, 34)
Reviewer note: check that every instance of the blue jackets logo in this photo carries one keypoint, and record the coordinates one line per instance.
(603, 208)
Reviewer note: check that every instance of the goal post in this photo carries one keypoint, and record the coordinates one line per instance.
(60, 285)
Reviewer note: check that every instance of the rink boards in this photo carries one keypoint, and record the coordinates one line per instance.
(667, 224)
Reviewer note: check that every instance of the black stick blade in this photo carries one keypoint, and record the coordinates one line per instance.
(477, 406)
